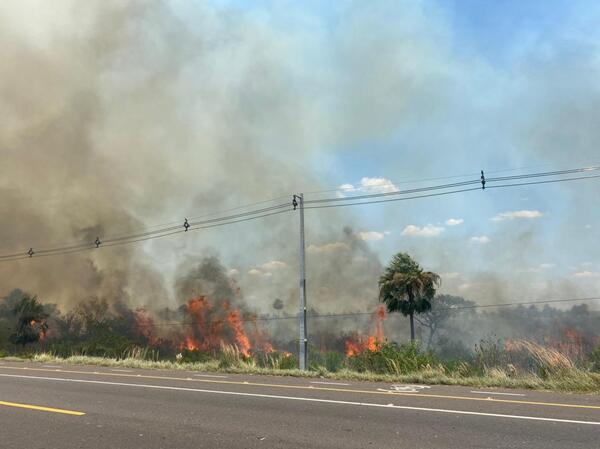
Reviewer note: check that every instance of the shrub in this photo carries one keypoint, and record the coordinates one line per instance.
(331, 361)
(391, 358)
(594, 360)
(490, 353)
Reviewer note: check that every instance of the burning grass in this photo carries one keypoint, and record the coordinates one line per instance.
(518, 364)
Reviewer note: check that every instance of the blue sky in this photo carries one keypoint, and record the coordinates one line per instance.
(236, 101)
(493, 87)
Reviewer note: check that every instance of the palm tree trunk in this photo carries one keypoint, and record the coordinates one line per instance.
(412, 327)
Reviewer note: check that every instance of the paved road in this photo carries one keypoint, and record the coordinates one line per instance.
(52, 406)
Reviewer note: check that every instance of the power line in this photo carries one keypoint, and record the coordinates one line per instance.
(195, 227)
(453, 192)
(452, 185)
(352, 314)
(419, 180)
(317, 204)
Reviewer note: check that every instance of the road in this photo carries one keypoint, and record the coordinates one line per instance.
(61, 406)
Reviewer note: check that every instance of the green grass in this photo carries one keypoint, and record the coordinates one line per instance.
(569, 380)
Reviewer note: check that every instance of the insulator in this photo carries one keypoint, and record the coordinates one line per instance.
(186, 225)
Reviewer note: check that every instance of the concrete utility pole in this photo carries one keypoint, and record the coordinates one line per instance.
(298, 201)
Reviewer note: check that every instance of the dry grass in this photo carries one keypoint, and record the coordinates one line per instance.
(563, 377)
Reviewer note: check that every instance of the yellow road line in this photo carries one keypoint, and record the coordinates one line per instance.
(312, 388)
(41, 409)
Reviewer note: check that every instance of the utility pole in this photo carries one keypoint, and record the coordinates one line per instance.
(298, 202)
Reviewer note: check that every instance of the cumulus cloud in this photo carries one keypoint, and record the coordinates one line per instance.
(454, 221)
(328, 247)
(370, 185)
(273, 265)
(450, 275)
(511, 215)
(481, 239)
(586, 274)
(371, 235)
(425, 231)
(258, 273)
(545, 266)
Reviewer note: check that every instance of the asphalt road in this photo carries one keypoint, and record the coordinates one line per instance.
(51, 406)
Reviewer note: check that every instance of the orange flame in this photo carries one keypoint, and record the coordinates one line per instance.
(213, 326)
(362, 343)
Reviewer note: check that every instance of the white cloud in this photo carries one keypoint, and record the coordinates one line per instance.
(377, 185)
(258, 273)
(450, 275)
(273, 265)
(511, 215)
(587, 274)
(425, 231)
(588, 226)
(370, 185)
(545, 266)
(481, 239)
(371, 235)
(233, 272)
(328, 247)
(454, 221)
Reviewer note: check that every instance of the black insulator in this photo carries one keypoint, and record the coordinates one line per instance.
(97, 242)
(482, 180)
(186, 225)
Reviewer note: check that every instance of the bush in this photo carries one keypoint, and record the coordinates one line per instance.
(594, 360)
(490, 353)
(391, 358)
(194, 356)
(331, 361)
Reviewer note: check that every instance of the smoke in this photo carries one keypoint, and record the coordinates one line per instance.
(121, 115)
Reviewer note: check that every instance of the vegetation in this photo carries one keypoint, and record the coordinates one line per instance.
(405, 287)
(560, 357)
(529, 366)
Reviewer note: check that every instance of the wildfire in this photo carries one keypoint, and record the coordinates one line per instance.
(221, 324)
(39, 326)
(144, 326)
(360, 343)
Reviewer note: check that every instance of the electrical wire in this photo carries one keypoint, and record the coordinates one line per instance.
(352, 314)
(310, 204)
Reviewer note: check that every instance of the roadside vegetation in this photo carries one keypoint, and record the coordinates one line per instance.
(562, 352)
(523, 365)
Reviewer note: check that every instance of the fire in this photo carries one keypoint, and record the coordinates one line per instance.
(221, 324)
(360, 343)
(144, 326)
(41, 328)
(241, 339)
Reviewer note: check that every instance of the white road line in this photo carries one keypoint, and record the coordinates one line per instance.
(497, 392)
(51, 366)
(121, 370)
(295, 398)
(329, 383)
(211, 375)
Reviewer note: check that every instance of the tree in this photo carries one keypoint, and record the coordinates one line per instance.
(406, 288)
(31, 321)
(442, 309)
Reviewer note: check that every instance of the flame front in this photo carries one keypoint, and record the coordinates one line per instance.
(360, 343)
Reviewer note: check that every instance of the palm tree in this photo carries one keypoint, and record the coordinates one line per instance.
(406, 288)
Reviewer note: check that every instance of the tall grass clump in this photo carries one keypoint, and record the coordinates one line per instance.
(390, 358)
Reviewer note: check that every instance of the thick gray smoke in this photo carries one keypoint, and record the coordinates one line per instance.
(121, 115)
